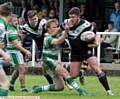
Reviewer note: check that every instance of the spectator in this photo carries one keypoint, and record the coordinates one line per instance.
(115, 16)
(108, 40)
(45, 14)
(25, 8)
(83, 12)
(52, 14)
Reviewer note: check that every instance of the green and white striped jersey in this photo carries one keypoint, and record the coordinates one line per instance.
(2, 29)
(51, 51)
(11, 35)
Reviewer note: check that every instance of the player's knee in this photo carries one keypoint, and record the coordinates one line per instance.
(5, 84)
(101, 74)
(74, 75)
(97, 70)
(61, 70)
(60, 88)
(21, 69)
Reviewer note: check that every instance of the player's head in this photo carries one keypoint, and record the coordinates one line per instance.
(32, 17)
(52, 26)
(74, 15)
(6, 9)
(14, 20)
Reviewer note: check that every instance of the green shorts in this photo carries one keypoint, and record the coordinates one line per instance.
(16, 57)
(50, 65)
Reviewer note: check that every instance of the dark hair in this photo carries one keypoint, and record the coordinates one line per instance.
(31, 13)
(6, 8)
(74, 10)
(111, 22)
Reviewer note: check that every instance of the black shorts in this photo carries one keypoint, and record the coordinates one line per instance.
(81, 55)
(65, 55)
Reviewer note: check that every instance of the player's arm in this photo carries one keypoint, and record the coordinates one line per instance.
(18, 45)
(60, 39)
(96, 42)
(2, 29)
(5, 56)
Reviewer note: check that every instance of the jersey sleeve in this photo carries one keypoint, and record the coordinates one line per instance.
(48, 41)
(64, 24)
(43, 22)
(2, 28)
(12, 37)
(2, 31)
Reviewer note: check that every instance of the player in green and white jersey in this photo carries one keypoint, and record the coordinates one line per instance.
(14, 48)
(51, 64)
(5, 15)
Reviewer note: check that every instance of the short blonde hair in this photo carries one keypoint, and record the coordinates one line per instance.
(52, 21)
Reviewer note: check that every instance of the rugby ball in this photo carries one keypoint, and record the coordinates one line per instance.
(87, 36)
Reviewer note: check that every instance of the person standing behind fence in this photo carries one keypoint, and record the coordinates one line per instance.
(115, 16)
(5, 15)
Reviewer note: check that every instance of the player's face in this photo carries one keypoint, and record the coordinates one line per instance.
(53, 28)
(15, 21)
(74, 19)
(33, 20)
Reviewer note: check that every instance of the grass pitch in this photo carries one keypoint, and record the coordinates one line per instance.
(92, 85)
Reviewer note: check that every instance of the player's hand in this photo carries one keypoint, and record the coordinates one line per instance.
(28, 53)
(6, 57)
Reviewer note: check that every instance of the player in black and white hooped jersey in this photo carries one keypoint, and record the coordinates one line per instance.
(36, 28)
(82, 50)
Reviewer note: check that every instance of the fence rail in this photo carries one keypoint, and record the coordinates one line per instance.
(109, 33)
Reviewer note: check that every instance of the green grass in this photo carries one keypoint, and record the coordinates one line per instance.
(92, 85)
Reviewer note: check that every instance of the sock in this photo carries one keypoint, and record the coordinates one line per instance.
(74, 84)
(81, 74)
(11, 85)
(49, 79)
(23, 86)
(50, 87)
(103, 80)
(3, 92)
(14, 77)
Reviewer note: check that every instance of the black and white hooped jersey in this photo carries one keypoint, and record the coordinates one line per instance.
(81, 27)
(75, 32)
(37, 32)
